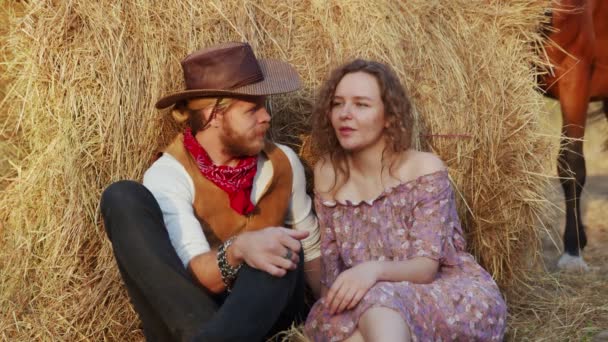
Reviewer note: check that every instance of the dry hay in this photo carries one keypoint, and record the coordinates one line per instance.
(559, 307)
(84, 77)
(11, 148)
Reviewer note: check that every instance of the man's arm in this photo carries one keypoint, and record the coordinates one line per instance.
(173, 190)
(205, 269)
(302, 218)
(263, 249)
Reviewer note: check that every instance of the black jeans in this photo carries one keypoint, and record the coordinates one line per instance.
(170, 303)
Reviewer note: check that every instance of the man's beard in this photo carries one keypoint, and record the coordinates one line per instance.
(239, 145)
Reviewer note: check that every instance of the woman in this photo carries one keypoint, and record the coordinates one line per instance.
(394, 265)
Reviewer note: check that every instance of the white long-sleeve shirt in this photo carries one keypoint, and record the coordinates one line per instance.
(173, 189)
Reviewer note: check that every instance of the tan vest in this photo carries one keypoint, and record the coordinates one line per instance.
(212, 205)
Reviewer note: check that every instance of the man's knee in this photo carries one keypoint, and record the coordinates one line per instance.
(120, 199)
(119, 193)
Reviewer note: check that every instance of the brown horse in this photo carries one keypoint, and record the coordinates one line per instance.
(580, 75)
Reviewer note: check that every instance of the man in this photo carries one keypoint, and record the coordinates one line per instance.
(202, 246)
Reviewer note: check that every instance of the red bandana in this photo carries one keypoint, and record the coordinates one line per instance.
(236, 181)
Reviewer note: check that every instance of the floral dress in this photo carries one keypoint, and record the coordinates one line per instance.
(414, 219)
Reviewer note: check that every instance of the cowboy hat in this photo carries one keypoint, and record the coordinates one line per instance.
(231, 69)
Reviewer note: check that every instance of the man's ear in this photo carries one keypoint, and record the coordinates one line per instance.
(180, 115)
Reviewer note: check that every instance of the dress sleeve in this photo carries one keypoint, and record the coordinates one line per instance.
(331, 262)
(434, 222)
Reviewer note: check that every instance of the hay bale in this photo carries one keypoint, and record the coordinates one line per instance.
(85, 75)
(11, 148)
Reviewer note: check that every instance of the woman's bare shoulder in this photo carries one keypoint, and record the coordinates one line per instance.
(417, 163)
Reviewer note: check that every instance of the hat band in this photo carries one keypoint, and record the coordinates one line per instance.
(249, 80)
(255, 78)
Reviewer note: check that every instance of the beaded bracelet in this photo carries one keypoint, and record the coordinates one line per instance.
(227, 272)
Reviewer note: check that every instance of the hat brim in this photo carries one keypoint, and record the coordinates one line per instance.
(279, 78)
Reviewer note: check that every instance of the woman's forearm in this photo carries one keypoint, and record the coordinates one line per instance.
(417, 270)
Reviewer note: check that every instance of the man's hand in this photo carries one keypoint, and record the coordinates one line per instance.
(350, 286)
(266, 249)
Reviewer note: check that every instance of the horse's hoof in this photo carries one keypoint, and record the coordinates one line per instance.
(572, 263)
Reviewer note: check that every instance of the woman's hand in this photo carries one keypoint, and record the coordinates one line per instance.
(350, 286)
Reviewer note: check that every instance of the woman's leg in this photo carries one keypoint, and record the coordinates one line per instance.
(383, 324)
(355, 337)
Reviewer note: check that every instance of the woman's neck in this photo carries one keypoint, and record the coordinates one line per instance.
(367, 162)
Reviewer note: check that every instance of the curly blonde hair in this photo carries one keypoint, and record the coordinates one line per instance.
(397, 112)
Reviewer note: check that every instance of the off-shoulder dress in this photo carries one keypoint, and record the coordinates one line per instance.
(417, 218)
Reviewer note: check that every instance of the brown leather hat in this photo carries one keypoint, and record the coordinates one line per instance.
(231, 69)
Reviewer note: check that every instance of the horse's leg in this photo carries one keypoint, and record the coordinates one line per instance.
(605, 108)
(574, 97)
(572, 173)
